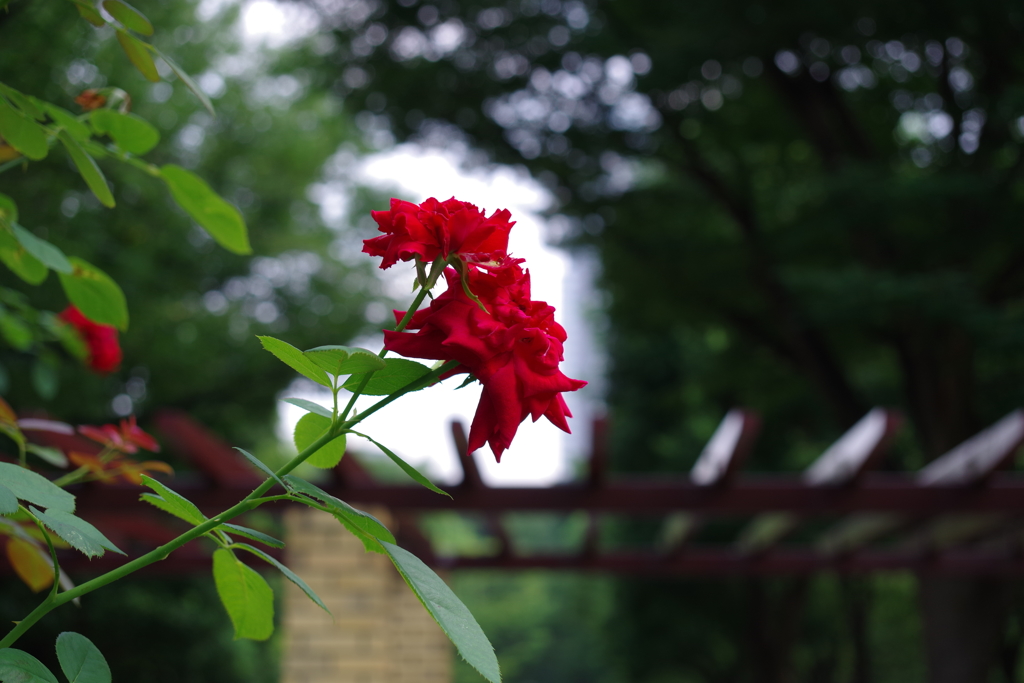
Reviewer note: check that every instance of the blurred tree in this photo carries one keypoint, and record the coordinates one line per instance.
(280, 149)
(278, 142)
(803, 208)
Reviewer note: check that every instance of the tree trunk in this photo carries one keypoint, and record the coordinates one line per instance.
(963, 626)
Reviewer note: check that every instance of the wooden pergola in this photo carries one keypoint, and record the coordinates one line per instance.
(960, 514)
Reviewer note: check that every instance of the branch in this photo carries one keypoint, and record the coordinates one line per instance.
(806, 344)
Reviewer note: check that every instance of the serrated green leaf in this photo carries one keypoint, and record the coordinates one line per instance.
(361, 524)
(397, 373)
(53, 456)
(81, 535)
(406, 467)
(8, 501)
(310, 407)
(344, 360)
(131, 133)
(22, 133)
(254, 535)
(293, 358)
(35, 488)
(187, 80)
(48, 254)
(207, 208)
(138, 54)
(247, 598)
(311, 427)
(21, 667)
(80, 660)
(15, 331)
(260, 465)
(95, 294)
(128, 16)
(86, 165)
(448, 611)
(66, 120)
(176, 504)
(289, 574)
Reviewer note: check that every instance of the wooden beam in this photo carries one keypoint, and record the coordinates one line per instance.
(841, 464)
(721, 562)
(856, 451)
(969, 464)
(728, 447)
(978, 457)
(878, 492)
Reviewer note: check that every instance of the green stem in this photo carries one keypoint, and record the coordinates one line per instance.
(435, 270)
(416, 385)
(247, 504)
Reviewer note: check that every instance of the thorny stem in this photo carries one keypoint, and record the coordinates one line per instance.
(250, 502)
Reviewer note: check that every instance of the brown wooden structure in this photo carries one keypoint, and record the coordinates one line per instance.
(960, 514)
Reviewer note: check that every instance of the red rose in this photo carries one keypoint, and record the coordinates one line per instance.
(514, 349)
(434, 229)
(101, 340)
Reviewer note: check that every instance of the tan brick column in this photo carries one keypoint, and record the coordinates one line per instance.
(380, 632)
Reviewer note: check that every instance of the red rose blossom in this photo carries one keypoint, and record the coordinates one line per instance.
(101, 340)
(514, 349)
(438, 229)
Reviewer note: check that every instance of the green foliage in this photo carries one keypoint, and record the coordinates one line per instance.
(200, 303)
(309, 406)
(158, 631)
(128, 131)
(259, 464)
(295, 359)
(20, 667)
(397, 373)
(253, 535)
(78, 533)
(172, 502)
(406, 467)
(80, 660)
(35, 488)
(344, 360)
(363, 525)
(311, 427)
(21, 132)
(8, 501)
(128, 16)
(288, 573)
(88, 168)
(245, 595)
(207, 208)
(448, 611)
(95, 294)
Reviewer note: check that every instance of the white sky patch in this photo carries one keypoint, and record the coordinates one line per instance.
(417, 426)
(276, 24)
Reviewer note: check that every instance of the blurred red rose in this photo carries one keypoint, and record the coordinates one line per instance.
(434, 229)
(514, 349)
(101, 340)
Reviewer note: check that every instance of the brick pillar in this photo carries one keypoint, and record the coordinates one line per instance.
(380, 632)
